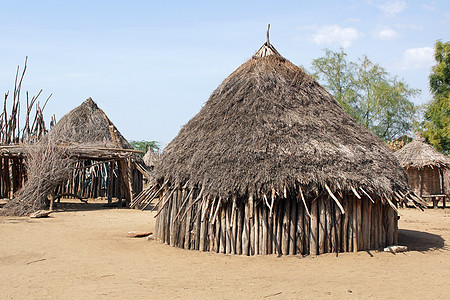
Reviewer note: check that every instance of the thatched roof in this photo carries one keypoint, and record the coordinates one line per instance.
(419, 154)
(89, 126)
(270, 125)
(150, 157)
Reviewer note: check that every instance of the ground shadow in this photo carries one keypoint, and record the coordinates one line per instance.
(420, 241)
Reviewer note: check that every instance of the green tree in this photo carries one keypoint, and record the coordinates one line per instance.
(145, 145)
(368, 92)
(436, 127)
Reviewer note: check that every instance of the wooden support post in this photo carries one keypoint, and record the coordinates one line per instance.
(256, 226)
(355, 246)
(246, 232)
(322, 223)
(293, 227)
(359, 238)
(264, 240)
(239, 229)
(222, 241)
(286, 227)
(109, 189)
(187, 232)
(314, 230)
(344, 229)
(275, 227)
(365, 223)
(300, 230)
(330, 226)
(307, 230)
(203, 224)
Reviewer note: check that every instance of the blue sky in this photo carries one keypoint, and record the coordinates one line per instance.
(151, 65)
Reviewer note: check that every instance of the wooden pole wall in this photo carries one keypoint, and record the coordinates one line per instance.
(249, 227)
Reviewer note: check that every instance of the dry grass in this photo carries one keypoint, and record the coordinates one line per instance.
(47, 166)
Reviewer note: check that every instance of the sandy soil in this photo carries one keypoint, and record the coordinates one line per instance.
(85, 254)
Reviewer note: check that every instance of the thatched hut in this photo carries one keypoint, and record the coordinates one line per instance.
(427, 169)
(273, 164)
(150, 158)
(107, 164)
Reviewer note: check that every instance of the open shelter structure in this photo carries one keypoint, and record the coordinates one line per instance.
(105, 164)
(428, 170)
(273, 165)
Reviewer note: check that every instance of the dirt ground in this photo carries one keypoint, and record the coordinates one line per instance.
(82, 252)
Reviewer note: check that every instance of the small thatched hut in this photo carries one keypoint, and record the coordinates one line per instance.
(150, 158)
(426, 168)
(107, 162)
(273, 164)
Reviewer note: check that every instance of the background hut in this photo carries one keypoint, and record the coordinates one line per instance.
(427, 169)
(107, 166)
(270, 164)
(150, 158)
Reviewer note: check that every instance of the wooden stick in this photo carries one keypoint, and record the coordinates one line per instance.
(335, 199)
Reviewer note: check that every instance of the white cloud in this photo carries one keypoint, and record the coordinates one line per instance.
(391, 8)
(387, 34)
(336, 34)
(416, 58)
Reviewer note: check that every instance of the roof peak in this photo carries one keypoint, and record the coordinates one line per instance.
(267, 48)
(419, 137)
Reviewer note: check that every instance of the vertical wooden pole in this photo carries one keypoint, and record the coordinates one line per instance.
(222, 242)
(359, 224)
(203, 224)
(293, 227)
(245, 232)
(300, 231)
(307, 230)
(338, 229)
(355, 245)
(239, 229)
(286, 227)
(314, 230)
(187, 232)
(270, 232)
(365, 223)
(256, 227)
(279, 238)
(275, 227)
(322, 223)
(264, 230)
(344, 229)
(330, 226)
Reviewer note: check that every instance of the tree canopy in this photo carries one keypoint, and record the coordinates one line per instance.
(144, 146)
(368, 92)
(436, 127)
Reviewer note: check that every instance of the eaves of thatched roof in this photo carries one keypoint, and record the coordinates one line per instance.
(270, 126)
(419, 154)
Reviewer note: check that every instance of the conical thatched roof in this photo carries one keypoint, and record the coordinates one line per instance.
(271, 126)
(88, 125)
(419, 154)
(150, 158)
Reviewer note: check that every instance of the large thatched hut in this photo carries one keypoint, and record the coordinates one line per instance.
(273, 164)
(107, 164)
(427, 169)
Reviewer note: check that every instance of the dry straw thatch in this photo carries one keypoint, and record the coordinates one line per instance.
(89, 126)
(427, 169)
(273, 164)
(419, 154)
(56, 164)
(271, 125)
(151, 157)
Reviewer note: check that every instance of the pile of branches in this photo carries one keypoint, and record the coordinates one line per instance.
(47, 166)
(11, 131)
